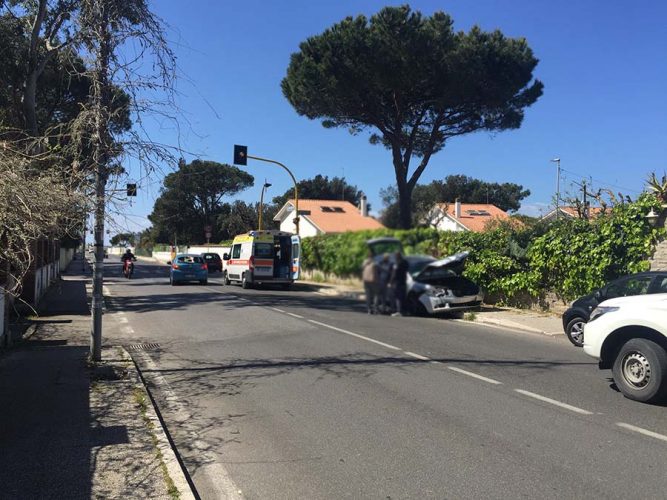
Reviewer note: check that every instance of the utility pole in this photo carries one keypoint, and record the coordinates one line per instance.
(101, 89)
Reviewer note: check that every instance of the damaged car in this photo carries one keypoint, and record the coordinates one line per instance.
(434, 286)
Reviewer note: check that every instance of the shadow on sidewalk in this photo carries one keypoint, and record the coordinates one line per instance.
(59, 416)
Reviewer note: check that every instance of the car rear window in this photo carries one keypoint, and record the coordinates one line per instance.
(191, 259)
(211, 256)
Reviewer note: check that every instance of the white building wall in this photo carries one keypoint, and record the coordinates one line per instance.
(306, 229)
(447, 224)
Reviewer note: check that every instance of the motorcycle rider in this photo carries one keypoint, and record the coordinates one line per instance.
(128, 256)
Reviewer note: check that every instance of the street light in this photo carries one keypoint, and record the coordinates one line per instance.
(652, 218)
(557, 162)
(261, 202)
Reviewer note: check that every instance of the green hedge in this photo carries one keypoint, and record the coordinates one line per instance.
(569, 257)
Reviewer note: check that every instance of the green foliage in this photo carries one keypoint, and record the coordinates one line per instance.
(413, 83)
(192, 199)
(569, 258)
(506, 196)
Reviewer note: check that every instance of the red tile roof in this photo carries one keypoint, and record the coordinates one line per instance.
(334, 216)
(471, 217)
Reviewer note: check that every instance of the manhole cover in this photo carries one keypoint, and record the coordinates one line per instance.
(143, 347)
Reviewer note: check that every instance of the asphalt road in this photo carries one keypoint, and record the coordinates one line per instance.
(274, 394)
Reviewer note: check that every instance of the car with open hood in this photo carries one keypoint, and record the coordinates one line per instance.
(434, 286)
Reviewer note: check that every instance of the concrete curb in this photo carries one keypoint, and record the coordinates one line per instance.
(174, 466)
(513, 325)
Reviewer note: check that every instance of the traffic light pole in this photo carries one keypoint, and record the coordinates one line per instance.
(296, 194)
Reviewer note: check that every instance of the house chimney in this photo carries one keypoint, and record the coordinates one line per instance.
(457, 209)
(363, 206)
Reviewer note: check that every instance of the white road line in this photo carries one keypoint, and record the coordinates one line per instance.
(215, 472)
(295, 315)
(415, 355)
(388, 346)
(277, 310)
(105, 290)
(645, 432)
(123, 319)
(474, 375)
(554, 402)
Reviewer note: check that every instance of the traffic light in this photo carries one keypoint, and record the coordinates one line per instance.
(240, 155)
(132, 190)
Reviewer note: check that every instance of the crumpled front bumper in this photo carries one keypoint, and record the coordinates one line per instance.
(446, 303)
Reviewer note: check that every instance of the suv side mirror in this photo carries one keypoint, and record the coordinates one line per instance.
(169, 263)
(225, 256)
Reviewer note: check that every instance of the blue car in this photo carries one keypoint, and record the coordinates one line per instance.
(188, 267)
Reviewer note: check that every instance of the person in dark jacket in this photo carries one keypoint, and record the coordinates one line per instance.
(399, 279)
(384, 278)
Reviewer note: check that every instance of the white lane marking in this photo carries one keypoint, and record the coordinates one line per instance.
(388, 346)
(277, 310)
(415, 355)
(218, 477)
(473, 375)
(645, 432)
(105, 290)
(123, 319)
(295, 315)
(554, 402)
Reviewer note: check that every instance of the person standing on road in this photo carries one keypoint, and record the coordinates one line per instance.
(399, 278)
(369, 275)
(384, 293)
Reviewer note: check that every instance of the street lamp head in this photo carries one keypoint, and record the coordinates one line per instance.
(267, 185)
(555, 160)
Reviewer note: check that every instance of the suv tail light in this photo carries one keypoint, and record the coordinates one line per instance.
(204, 266)
(174, 266)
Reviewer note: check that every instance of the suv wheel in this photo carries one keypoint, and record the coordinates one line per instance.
(244, 282)
(575, 331)
(640, 370)
(225, 279)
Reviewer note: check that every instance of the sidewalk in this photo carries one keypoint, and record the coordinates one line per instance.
(72, 429)
(513, 319)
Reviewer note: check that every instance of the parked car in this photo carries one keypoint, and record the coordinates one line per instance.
(577, 315)
(434, 286)
(213, 261)
(188, 267)
(629, 336)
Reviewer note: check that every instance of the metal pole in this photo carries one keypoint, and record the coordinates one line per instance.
(296, 194)
(261, 205)
(557, 162)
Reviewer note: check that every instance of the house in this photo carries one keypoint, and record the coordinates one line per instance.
(326, 216)
(459, 216)
(571, 212)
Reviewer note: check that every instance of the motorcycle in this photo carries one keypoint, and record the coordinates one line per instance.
(128, 267)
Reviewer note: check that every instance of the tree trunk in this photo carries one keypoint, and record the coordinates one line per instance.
(404, 205)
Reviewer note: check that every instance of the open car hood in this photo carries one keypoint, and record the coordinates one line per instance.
(455, 262)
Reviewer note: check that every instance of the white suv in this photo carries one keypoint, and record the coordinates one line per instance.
(629, 335)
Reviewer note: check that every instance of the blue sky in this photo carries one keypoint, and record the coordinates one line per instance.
(603, 112)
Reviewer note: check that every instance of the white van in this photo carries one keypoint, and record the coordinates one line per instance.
(260, 257)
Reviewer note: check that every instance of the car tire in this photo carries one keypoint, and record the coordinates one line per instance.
(575, 331)
(286, 286)
(203, 282)
(640, 371)
(245, 284)
(415, 307)
(225, 279)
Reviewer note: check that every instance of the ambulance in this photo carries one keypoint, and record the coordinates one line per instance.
(260, 257)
